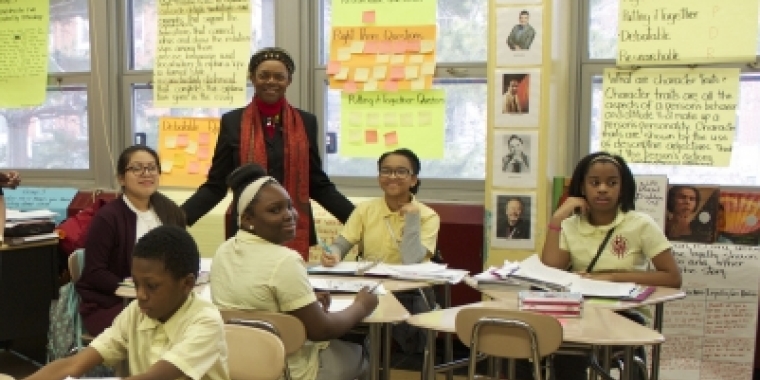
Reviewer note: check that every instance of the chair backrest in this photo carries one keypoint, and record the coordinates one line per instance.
(507, 333)
(76, 264)
(287, 327)
(253, 354)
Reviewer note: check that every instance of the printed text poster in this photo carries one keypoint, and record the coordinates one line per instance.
(23, 52)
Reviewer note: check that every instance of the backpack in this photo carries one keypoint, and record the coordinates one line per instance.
(73, 230)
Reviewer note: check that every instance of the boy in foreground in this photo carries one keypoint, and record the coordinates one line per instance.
(168, 332)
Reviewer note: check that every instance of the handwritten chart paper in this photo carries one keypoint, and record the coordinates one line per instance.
(55, 199)
(375, 122)
(677, 32)
(203, 53)
(23, 52)
(651, 196)
(710, 334)
(186, 146)
(384, 12)
(670, 116)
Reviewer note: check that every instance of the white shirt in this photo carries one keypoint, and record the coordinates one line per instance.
(146, 220)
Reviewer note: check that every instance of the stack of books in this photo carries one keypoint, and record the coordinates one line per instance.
(22, 227)
(557, 304)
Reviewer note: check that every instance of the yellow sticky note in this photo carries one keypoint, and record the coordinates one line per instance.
(427, 46)
(170, 142)
(406, 119)
(391, 119)
(416, 58)
(342, 74)
(397, 59)
(179, 160)
(370, 85)
(373, 119)
(166, 166)
(411, 72)
(378, 72)
(357, 47)
(424, 118)
(192, 147)
(355, 136)
(355, 119)
(418, 84)
(428, 68)
(344, 54)
(361, 74)
(382, 58)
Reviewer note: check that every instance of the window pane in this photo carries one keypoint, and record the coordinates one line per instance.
(69, 35)
(603, 29)
(462, 31)
(51, 136)
(145, 115)
(144, 30)
(465, 135)
(745, 154)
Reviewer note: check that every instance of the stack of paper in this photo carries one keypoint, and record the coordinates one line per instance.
(23, 227)
(422, 271)
(558, 304)
(346, 286)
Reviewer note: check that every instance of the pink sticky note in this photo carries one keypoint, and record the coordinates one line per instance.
(384, 47)
(368, 17)
(193, 167)
(397, 73)
(182, 140)
(413, 45)
(391, 138)
(390, 85)
(349, 87)
(371, 47)
(370, 136)
(398, 47)
(205, 168)
(333, 67)
(203, 138)
(202, 153)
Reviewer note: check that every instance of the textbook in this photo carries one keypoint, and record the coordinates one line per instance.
(558, 304)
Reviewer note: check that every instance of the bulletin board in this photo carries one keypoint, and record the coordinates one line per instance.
(186, 147)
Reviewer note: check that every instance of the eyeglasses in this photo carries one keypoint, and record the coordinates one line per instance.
(265, 76)
(399, 172)
(139, 169)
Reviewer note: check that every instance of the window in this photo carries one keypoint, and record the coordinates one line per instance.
(69, 36)
(602, 26)
(461, 72)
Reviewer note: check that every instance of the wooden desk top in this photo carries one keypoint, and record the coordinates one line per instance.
(598, 326)
(660, 295)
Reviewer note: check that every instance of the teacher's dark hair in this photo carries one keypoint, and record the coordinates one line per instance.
(627, 198)
(275, 54)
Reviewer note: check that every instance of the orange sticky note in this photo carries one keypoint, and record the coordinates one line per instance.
(368, 17)
(385, 47)
(413, 45)
(202, 153)
(349, 87)
(371, 47)
(333, 67)
(182, 140)
(203, 138)
(370, 136)
(391, 138)
(390, 85)
(204, 169)
(193, 167)
(399, 47)
(397, 73)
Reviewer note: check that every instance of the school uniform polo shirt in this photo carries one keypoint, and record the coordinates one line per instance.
(380, 230)
(192, 340)
(635, 240)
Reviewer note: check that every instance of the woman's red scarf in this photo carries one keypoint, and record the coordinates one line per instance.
(296, 156)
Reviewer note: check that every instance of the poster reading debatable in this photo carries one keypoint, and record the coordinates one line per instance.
(374, 123)
(186, 146)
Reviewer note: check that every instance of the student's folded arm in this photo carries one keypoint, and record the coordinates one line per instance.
(341, 246)
(74, 366)
(100, 244)
(666, 272)
(352, 233)
(322, 326)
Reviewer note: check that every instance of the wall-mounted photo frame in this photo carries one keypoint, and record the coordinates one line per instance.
(514, 215)
(519, 32)
(515, 159)
(517, 98)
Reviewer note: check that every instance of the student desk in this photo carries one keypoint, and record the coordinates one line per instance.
(656, 299)
(598, 327)
(28, 283)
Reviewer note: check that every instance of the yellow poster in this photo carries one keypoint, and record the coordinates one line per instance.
(23, 52)
(383, 12)
(186, 147)
(677, 32)
(203, 53)
(375, 122)
(670, 116)
(382, 58)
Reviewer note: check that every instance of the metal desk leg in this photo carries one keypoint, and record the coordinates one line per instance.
(659, 309)
(387, 329)
(606, 358)
(628, 364)
(448, 343)
(428, 363)
(375, 338)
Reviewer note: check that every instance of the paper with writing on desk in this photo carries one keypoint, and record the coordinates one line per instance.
(603, 289)
(346, 286)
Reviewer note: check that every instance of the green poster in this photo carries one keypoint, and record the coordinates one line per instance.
(23, 52)
(383, 12)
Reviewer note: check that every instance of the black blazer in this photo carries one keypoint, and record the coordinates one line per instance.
(227, 158)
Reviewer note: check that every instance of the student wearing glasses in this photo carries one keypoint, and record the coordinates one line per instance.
(115, 229)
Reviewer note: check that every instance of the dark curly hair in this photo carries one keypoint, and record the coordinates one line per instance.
(627, 197)
(272, 53)
(174, 247)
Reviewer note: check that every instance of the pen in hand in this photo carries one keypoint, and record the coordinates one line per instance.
(372, 290)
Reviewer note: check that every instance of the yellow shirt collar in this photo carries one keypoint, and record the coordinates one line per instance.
(586, 228)
(170, 326)
(387, 211)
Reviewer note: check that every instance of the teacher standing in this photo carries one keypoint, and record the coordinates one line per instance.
(280, 138)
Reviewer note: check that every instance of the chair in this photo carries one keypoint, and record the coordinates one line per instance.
(287, 328)
(253, 354)
(508, 334)
(5, 377)
(76, 264)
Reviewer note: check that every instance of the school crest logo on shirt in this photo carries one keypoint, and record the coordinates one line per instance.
(619, 246)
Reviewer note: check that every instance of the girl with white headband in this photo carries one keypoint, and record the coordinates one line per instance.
(254, 270)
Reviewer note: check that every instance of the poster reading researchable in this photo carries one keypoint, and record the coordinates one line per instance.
(186, 146)
(374, 123)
